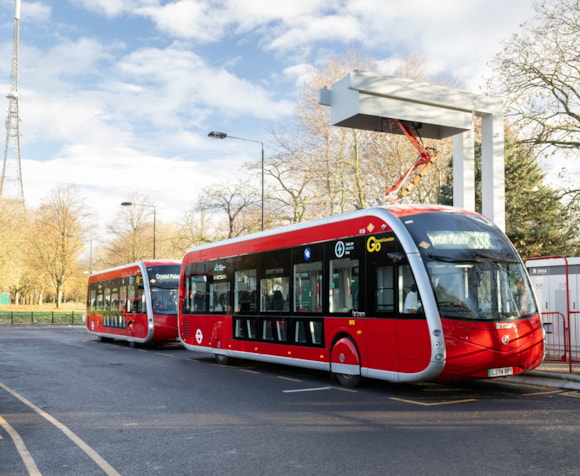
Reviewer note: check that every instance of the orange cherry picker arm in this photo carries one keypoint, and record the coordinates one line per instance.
(424, 162)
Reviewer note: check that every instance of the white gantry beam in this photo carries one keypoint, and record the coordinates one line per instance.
(368, 101)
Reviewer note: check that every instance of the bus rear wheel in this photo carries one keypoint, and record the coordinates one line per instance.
(222, 359)
(347, 380)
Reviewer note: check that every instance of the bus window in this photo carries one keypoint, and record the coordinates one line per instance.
(139, 299)
(245, 292)
(131, 299)
(344, 285)
(409, 301)
(307, 287)
(219, 297)
(308, 331)
(198, 298)
(385, 291)
(115, 298)
(274, 293)
(92, 298)
(123, 298)
(275, 330)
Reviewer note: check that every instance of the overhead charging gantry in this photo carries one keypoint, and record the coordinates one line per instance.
(367, 101)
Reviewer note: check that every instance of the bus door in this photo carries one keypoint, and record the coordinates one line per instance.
(196, 321)
(397, 332)
(412, 331)
(381, 285)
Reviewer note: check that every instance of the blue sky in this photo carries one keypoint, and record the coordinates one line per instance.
(118, 96)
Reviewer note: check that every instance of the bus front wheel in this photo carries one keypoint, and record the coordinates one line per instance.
(345, 362)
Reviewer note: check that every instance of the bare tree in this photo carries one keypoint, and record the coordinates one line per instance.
(538, 72)
(291, 193)
(57, 234)
(135, 232)
(196, 229)
(346, 168)
(240, 202)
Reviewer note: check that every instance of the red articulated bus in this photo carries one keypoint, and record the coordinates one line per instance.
(135, 302)
(401, 293)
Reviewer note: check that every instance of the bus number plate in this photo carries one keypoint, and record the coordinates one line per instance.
(500, 372)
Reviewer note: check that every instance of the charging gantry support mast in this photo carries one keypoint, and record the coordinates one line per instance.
(11, 166)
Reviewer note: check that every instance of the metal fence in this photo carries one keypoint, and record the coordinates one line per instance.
(75, 318)
(562, 337)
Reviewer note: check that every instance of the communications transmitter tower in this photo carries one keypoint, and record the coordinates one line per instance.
(11, 181)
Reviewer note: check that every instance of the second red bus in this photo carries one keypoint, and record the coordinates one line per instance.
(135, 302)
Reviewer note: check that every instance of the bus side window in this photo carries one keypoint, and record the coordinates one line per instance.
(308, 287)
(245, 292)
(139, 299)
(274, 293)
(409, 300)
(92, 301)
(344, 285)
(385, 292)
(219, 297)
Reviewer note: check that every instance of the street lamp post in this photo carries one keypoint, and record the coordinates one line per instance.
(223, 135)
(130, 204)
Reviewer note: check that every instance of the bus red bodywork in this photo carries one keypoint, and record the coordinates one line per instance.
(374, 338)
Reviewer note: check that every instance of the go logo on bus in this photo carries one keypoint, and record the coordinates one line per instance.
(374, 244)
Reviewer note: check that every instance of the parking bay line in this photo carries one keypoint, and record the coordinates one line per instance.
(306, 390)
(433, 404)
(91, 453)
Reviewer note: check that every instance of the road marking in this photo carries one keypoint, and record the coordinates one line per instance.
(249, 371)
(572, 394)
(288, 378)
(345, 389)
(98, 459)
(433, 404)
(306, 390)
(27, 458)
(546, 392)
(165, 355)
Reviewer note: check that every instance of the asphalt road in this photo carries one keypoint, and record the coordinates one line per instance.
(70, 405)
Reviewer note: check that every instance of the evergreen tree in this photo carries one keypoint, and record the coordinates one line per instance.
(538, 221)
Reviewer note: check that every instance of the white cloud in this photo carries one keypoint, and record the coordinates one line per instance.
(108, 176)
(112, 8)
(132, 113)
(192, 19)
(176, 82)
(34, 11)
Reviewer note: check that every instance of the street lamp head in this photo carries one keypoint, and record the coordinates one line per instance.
(126, 204)
(217, 135)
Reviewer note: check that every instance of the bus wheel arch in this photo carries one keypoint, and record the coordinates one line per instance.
(345, 361)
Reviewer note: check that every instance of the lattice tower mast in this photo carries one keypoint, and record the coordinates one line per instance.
(12, 167)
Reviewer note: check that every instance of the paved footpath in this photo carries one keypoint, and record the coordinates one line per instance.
(552, 374)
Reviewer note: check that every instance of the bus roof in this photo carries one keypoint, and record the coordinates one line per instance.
(355, 223)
